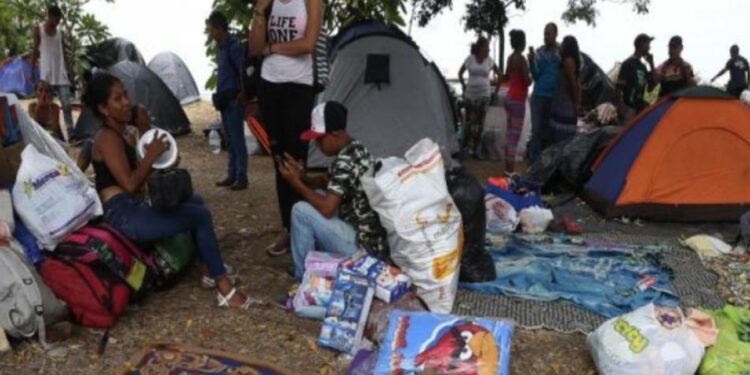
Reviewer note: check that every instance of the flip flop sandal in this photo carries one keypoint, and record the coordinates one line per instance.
(223, 301)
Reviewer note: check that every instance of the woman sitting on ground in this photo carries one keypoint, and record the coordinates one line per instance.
(120, 179)
(45, 112)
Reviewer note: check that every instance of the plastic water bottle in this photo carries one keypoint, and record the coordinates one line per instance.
(214, 142)
(251, 144)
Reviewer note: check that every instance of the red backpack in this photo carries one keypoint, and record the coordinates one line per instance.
(96, 297)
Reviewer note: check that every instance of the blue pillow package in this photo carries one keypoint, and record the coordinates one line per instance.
(445, 344)
(344, 325)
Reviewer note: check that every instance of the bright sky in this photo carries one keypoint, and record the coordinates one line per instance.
(708, 29)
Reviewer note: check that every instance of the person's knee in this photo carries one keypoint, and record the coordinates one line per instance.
(302, 212)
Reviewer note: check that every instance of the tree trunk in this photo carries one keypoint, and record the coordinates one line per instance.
(501, 50)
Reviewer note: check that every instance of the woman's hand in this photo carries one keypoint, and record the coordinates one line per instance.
(157, 145)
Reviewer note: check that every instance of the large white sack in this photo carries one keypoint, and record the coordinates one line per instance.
(50, 199)
(424, 226)
(637, 343)
(525, 134)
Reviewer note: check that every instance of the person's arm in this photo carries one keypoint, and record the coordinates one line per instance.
(499, 79)
(306, 44)
(525, 72)
(687, 71)
(109, 146)
(237, 54)
(142, 119)
(533, 65)
(650, 77)
(259, 28)
(569, 68)
(721, 73)
(32, 110)
(55, 124)
(327, 203)
(461, 77)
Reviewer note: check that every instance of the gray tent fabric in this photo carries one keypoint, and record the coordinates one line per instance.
(388, 118)
(112, 51)
(176, 75)
(144, 88)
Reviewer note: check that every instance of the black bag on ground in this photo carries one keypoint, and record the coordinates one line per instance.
(468, 195)
(169, 188)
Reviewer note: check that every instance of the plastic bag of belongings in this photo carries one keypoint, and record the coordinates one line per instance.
(50, 194)
(652, 340)
(425, 231)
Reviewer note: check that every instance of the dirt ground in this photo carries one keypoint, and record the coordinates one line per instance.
(246, 222)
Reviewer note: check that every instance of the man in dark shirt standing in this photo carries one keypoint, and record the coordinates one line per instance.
(634, 78)
(229, 99)
(738, 69)
(674, 74)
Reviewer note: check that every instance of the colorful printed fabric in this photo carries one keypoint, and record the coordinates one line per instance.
(516, 113)
(608, 279)
(734, 276)
(160, 359)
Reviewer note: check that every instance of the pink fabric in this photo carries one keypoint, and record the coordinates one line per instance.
(703, 325)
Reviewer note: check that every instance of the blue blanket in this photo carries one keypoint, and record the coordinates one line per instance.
(606, 278)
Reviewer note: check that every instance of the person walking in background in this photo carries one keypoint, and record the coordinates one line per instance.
(739, 72)
(519, 80)
(674, 74)
(477, 93)
(564, 117)
(635, 78)
(286, 34)
(229, 99)
(544, 64)
(48, 45)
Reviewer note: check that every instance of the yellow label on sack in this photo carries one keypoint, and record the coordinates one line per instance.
(446, 265)
(137, 273)
(632, 335)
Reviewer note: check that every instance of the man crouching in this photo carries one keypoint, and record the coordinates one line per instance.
(339, 220)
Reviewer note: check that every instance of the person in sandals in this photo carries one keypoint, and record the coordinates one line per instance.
(120, 178)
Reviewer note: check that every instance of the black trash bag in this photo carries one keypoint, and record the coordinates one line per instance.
(596, 87)
(744, 236)
(566, 166)
(468, 195)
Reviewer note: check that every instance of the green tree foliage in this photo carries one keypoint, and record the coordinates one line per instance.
(337, 13)
(19, 17)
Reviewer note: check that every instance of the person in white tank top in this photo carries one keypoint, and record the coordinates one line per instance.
(48, 44)
(285, 33)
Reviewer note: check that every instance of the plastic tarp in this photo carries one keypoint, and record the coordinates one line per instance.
(16, 78)
(176, 75)
(144, 88)
(112, 51)
(567, 165)
(596, 86)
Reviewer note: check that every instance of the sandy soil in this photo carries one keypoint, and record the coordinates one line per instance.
(246, 222)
